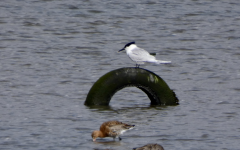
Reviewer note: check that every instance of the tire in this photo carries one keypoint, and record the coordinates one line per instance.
(154, 86)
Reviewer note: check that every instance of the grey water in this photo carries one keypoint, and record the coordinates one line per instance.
(52, 52)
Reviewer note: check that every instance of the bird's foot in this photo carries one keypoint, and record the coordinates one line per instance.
(137, 65)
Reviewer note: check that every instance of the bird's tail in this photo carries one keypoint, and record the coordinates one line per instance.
(162, 62)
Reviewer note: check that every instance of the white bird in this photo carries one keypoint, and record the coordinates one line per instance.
(140, 56)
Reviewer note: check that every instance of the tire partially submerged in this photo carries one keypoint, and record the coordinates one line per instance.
(154, 86)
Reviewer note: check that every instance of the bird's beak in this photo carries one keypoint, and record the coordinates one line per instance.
(121, 50)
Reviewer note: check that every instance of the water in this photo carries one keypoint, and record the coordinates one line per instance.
(52, 52)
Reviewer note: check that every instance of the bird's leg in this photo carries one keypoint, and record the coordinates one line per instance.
(119, 138)
(137, 65)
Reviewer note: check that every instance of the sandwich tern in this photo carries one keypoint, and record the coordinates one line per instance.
(140, 56)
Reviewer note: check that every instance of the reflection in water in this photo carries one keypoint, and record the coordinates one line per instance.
(107, 144)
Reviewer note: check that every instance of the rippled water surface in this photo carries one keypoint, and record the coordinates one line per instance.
(52, 52)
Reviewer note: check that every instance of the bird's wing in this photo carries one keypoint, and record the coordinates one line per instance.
(139, 54)
(110, 128)
(116, 129)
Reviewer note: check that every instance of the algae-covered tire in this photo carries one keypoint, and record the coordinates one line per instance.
(154, 86)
